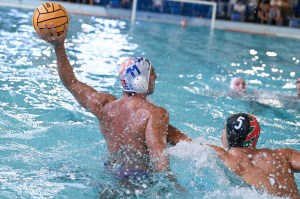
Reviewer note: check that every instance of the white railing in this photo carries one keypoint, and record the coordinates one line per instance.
(213, 4)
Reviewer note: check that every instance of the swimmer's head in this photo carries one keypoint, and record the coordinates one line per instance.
(135, 75)
(238, 84)
(241, 130)
(183, 23)
(298, 86)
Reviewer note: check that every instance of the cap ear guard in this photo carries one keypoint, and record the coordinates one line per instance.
(140, 84)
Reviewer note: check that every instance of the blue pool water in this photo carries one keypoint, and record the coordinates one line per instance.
(50, 147)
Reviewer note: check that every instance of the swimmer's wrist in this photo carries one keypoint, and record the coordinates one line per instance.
(59, 45)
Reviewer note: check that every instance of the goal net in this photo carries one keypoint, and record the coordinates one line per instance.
(197, 12)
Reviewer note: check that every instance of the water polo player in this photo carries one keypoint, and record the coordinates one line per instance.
(238, 85)
(134, 129)
(270, 170)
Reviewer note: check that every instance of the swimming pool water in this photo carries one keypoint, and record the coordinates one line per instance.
(50, 147)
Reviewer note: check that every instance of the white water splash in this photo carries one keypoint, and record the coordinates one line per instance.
(197, 150)
(203, 157)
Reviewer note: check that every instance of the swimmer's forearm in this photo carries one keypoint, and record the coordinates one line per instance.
(175, 135)
(230, 161)
(65, 70)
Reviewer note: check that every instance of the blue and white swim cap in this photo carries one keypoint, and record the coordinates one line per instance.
(135, 74)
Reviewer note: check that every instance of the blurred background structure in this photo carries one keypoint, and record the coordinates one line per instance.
(272, 12)
(268, 17)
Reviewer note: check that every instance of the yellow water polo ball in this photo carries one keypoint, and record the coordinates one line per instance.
(50, 13)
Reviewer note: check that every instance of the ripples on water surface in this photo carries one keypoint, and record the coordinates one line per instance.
(51, 148)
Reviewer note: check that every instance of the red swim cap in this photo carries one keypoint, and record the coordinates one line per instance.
(253, 134)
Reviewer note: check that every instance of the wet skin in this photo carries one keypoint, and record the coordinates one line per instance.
(130, 123)
(265, 169)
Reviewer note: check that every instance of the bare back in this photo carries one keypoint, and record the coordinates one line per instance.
(130, 124)
(125, 126)
(266, 169)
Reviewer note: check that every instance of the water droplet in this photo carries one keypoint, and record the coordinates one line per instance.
(271, 54)
(144, 186)
(253, 52)
(272, 181)
(292, 74)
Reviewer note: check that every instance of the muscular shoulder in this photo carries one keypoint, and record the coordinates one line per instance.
(272, 154)
(111, 103)
(278, 152)
(157, 111)
(248, 154)
(285, 152)
(143, 105)
(155, 108)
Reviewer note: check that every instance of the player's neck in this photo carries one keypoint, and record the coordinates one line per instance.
(142, 96)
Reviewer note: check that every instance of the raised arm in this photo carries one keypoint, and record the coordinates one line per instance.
(87, 97)
(175, 135)
(156, 138)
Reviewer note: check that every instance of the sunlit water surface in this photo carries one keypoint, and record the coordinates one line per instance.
(50, 147)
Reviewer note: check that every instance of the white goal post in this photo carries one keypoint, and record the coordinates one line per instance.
(213, 4)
